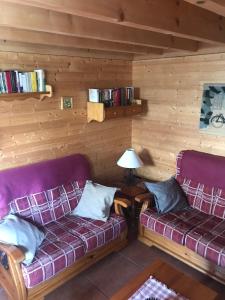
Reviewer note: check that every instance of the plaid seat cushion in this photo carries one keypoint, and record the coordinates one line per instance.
(59, 250)
(94, 233)
(48, 206)
(67, 240)
(208, 239)
(172, 225)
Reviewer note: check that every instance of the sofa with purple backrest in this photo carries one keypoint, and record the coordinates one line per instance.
(45, 193)
(195, 235)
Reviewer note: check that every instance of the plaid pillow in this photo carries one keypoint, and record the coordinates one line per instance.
(34, 207)
(48, 206)
(209, 200)
(63, 199)
(218, 208)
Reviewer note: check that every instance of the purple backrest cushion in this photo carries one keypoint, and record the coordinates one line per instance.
(38, 177)
(202, 177)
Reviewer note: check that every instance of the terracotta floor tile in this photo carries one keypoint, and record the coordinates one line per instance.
(143, 255)
(139, 253)
(112, 273)
(78, 288)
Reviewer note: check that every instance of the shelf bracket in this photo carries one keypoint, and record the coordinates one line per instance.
(49, 92)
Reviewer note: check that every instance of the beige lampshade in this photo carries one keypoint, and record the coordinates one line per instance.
(130, 160)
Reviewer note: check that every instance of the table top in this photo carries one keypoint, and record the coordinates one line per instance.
(132, 191)
(173, 278)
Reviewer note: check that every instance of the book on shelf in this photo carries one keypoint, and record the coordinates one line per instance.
(8, 81)
(14, 81)
(94, 95)
(112, 97)
(34, 86)
(116, 97)
(17, 81)
(41, 84)
(130, 94)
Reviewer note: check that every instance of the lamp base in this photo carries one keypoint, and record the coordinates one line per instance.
(129, 177)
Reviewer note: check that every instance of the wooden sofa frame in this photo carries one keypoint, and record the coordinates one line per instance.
(11, 278)
(180, 252)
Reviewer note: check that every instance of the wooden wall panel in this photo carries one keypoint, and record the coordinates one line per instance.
(33, 130)
(173, 90)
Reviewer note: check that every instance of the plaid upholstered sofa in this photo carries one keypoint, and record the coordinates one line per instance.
(195, 235)
(45, 193)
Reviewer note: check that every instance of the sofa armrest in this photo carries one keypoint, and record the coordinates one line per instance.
(146, 199)
(120, 202)
(11, 277)
(143, 197)
(12, 252)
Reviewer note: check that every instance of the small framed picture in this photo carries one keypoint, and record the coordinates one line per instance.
(66, 102)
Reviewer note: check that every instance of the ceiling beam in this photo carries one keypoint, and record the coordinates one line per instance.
(216, 6)
(25, 17)
(18, 47)
(43, 38)
(102, 10)
(166, 16)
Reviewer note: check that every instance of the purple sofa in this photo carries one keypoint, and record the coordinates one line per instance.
(45, 193)
(195, 235)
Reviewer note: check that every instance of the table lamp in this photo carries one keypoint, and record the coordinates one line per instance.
(130, 160)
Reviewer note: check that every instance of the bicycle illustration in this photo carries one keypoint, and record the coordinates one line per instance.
(217, 121)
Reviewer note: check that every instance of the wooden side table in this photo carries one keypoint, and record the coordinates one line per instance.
(130, 192)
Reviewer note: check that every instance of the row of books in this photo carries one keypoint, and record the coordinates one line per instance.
(14, 81)
(112, 97)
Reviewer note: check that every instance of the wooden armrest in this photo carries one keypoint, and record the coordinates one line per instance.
(146, 200)
(11, 276)
(15, 254)
(143, 197)
(122, 201)
(119, 203)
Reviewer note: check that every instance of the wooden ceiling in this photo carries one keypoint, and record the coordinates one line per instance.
(132, 27)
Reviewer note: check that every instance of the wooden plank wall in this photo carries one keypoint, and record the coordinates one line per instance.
(32, 130)
(173, 90)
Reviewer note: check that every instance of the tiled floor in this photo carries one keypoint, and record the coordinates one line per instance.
(103, 279)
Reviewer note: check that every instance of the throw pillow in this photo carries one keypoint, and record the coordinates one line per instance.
(95, 202)
(168, 195)
(18, 232)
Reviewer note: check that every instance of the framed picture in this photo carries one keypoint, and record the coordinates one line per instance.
(66, 102)
(212, 117)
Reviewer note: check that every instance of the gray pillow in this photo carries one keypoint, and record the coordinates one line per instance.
(168, 195)
(16, 231)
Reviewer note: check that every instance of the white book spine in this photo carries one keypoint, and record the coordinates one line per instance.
(40, 80)
(93, 95)
(1, 85)
(24, 83)
(21, 82)
(29, 82)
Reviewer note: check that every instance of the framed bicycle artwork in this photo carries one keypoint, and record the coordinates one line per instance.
(212, 117)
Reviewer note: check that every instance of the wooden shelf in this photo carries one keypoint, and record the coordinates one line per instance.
(23, 96)
(97, 111)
